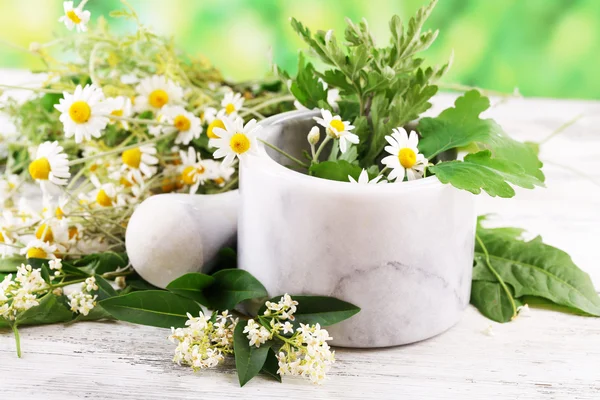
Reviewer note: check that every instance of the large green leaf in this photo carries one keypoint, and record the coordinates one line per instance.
(191, 286)
(536, 269)
(249, 360)
(319, 309)
(271, 366)
(479, 171)
(460, 126)
(101, 263)
(153, 307)
(493, 301)
(231, 287)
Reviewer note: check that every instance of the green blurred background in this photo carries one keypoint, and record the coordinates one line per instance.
(547, 48)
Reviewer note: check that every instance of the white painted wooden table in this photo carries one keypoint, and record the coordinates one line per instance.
(547, 355)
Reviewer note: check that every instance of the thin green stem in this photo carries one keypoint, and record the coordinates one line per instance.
(277, 149)
(251, 111)
(119, 150)
(137, 120)
(33, 89)
(17, 339)
(561, 128)
(321, 147)
(229, 185)
(497, 275)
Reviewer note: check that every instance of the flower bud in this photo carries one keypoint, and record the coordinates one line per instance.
(314, 135)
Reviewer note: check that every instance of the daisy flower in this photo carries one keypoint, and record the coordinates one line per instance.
(363, 179)
(74, 17)
(232, 103)
(84, 113)
(216, 122)
(39, 249)
(219, 173)
(186, 124)
(209, 114)
(121, 107)
(193, 170)
(50, 165)
(104, 195)
(236, 140)
(139, 163)
(337, 129)
(155, 92)
(405, 159)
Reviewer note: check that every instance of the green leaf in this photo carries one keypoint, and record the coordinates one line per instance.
(102, 263)
(191, 286)
(335, 170)
(231, 287)
(322, 310)
(460, 126)
(10, 264)
(271, 366)
(536, 269)
(307, 88)
(479, 171)
(249, 360)
(153, 307)
(492, 301)
(105, 289)
(50, 310)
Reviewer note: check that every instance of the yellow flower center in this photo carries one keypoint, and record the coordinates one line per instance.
(72, 15)
(337, 124)
(80, 112)
(132, 157)
(36, 252)
(40, 168)
(125, 182)
(167, 185)
(44, 233)
(117, 113)
(239, 143)
(158, 98)
(73, 232)
(182, 123)
(59, 213)
(188, 176)
(1, 238)
(103, 199)
(217, 123)
(407, 157)
(219, 181)
(229, 108)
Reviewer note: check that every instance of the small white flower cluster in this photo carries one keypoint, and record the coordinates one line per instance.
(306, 352)
(21, 293)
(82, 301)
(204, 343)
(256, 333)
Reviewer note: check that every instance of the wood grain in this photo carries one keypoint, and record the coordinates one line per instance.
(546, 355)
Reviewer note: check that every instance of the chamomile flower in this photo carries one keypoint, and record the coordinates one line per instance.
(232, 103)
(363, 179)
(236, 140)
(37, 248)
(155, 92)
(217, 122)
(50, 165)
(84, 113)
(337, 129)
(193, 171)
(104, 195)
(139, 163)
(209, 114)
(405, 159)
(53, 230)
(121, 107)
(218, 172)
(8, 187)
(186, 124)
(74, 17)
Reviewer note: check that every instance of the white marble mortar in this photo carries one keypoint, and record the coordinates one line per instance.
(402, 252)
